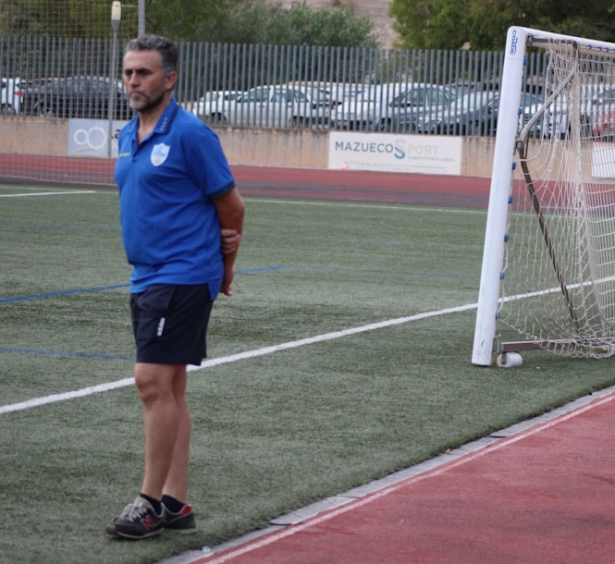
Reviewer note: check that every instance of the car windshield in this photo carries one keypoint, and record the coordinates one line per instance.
(318, 95)
(472, 100)
(528, 99)
(424, 96)
(380, 93)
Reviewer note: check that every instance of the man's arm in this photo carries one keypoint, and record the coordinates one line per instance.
(230, 240)
(231, 209)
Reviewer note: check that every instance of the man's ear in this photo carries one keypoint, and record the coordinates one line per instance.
(171, 80)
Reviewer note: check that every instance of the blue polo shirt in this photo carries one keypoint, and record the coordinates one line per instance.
(167, 186)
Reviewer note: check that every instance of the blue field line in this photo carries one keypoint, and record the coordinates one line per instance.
(96, 289)
(263, 269)
(114, 287)
(62, 293)
(63, 353)
(52, 226)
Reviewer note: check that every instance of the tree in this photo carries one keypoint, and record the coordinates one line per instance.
(258, 22)
(219, 21)
(332, 28)
(241, 21)
(449, 24)
(60, 18)
(429, 24)
(183, 19)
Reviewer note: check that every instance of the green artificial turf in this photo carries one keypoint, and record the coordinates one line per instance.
(273, 432)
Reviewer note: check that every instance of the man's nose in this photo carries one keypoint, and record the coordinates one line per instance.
(132, 79)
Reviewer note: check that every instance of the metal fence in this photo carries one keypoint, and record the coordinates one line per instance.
(405, 91)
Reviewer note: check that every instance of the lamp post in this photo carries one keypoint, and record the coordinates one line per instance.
(141, 16)
(116, 16)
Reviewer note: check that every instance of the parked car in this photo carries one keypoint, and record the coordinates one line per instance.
(368, 108)
(466, 86)
(76, 97)
(213, 105)
(417, 109)
(342, 92)
(10, 96)
(278, 106)
(435, 109)
(555, 121)
(601, 118)
(474, 113)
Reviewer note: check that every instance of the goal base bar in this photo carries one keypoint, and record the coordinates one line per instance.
(518, 346)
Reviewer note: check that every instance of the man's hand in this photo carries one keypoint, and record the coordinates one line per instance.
(227, 281)
(230, 241)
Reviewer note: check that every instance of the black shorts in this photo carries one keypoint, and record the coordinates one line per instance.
(170, 323)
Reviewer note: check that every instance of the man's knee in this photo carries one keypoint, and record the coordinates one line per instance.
(153, 381)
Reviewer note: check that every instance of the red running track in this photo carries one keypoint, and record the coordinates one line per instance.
(544, 495)
(271, 182)
(363, 186)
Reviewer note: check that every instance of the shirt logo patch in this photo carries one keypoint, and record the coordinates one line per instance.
(159, 154)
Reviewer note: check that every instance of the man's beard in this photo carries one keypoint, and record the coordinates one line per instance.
(146, 104)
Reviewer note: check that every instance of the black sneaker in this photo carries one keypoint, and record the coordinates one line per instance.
(137, 521)
(182, 521)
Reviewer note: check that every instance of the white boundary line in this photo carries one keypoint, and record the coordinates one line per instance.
(37, 402)
(48, 194)
(402, 207)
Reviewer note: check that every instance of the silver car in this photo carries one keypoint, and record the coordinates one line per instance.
(418, 109)
(10, 96)
(555, 119)
(279, 106)
(366, 110)
(214, 105)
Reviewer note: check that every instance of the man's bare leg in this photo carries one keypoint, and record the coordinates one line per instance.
(161, 415)
(176, 484)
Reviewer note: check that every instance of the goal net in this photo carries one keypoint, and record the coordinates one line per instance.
(548, 275)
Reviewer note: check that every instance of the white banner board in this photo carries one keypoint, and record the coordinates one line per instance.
(424, 154)
(603, 160)
(90, 137)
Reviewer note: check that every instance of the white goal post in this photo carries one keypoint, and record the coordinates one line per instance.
(548, 270)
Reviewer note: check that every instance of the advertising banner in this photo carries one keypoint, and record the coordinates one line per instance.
(90, 138)
(424, 154)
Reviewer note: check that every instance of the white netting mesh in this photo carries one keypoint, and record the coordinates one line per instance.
(559, 272)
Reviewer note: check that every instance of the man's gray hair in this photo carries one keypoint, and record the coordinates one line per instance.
(169, 53)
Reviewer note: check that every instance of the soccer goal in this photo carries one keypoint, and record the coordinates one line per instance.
(548, 271)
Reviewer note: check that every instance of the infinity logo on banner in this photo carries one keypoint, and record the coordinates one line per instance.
(89, 137)
(93, 138)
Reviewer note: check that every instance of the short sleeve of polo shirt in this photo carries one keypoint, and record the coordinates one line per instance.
(216, 179)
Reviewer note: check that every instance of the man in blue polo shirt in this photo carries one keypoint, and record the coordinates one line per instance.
(181, 219)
